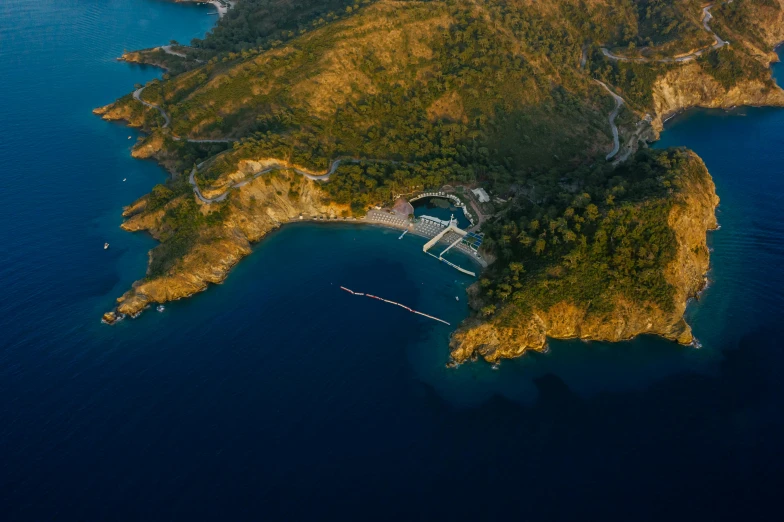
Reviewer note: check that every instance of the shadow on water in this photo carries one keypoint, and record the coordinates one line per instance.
(701, 446)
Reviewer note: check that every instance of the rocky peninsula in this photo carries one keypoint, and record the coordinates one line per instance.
(583, 247)
(512, 331)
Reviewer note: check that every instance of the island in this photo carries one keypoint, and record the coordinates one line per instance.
(346, 110)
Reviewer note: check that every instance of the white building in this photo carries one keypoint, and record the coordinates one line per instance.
(481, 195)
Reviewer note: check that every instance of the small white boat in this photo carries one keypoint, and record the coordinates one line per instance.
(457, 298)
(106, 246)
(124, 179)
(160, 308)
(129, 137)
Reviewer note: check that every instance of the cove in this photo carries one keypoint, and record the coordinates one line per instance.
(277, 396)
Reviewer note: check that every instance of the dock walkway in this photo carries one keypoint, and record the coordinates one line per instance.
(435, 231)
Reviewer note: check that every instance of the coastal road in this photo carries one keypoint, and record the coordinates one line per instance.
(274, 166)
(282, 166)
(706, 18)
(613, 115)
(137, 95)
(168, 50)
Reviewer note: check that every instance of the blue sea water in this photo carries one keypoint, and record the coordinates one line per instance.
(276, 396)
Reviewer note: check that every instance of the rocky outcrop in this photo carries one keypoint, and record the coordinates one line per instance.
(252, 211)
(124, 109)
(149, 147)
(689, 86)
(511, 333)
(147, 57)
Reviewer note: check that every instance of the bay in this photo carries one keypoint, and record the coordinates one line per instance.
(276, 395)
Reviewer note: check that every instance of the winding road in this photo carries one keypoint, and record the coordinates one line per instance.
(275, 166)
(706, 18)
(613, 115)
(137, 95)
(168, 50)
(282, 166)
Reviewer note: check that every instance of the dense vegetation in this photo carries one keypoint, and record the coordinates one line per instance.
(268, 23)
(633, 80)
(589, 236)
(456, 91)
(729, 66)
(476, 104)
(743, 18)
(659, 22)
(184, 224)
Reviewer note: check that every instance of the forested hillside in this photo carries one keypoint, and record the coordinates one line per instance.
(501, 94)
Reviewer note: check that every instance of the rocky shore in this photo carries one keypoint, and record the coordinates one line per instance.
(510, 334)
(688, 86)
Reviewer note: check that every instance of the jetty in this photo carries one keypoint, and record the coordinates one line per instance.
(437, 230)
(454, 236)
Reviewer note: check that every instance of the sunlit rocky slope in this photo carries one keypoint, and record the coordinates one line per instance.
(482, 92)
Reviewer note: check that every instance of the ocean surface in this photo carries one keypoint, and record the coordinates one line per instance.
(276, 396)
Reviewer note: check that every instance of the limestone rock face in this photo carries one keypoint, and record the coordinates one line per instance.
(507, 335)
(122, 110)
(688, 86)
(253, 210)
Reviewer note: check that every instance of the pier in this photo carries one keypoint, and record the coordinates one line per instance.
(438, 231)
(454, 235)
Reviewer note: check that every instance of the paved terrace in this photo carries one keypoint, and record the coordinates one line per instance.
(422, 227)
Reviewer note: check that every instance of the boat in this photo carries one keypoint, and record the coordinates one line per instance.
(105, 246)
(160, 308)
(124, 179)
(129, 137)
(457, 298)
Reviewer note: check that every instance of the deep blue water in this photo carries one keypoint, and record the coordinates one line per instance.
(276, 396)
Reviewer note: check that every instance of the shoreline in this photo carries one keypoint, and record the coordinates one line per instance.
(359, 222)
(219, 7)
(115, 316)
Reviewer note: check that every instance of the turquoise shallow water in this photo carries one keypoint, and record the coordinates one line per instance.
(276, 395)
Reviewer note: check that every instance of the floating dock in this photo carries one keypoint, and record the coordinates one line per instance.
(394, 303)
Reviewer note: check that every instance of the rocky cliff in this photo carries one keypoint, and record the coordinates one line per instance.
(511, 332)
(689, 86)
(247, 215)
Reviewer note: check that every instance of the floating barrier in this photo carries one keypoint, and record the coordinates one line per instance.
(396, 304)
